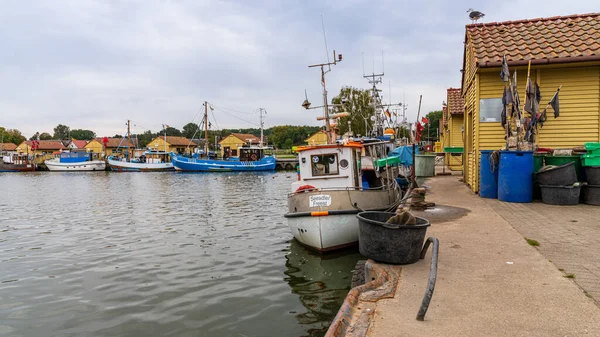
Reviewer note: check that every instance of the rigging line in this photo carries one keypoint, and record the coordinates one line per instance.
(325, 38)
(234, 116)
(233, 110)
(215, 120)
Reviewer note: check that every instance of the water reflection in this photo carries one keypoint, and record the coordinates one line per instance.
(321, 283)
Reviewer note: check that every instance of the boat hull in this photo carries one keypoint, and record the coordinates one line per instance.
(16, 167)
(209, 165)
(326, 220)
(123, 166)
(93, 165)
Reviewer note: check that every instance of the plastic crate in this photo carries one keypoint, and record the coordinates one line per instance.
(590, 160)
(453, 149)
(593, 148)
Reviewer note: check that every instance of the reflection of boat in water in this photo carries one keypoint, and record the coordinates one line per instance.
(321, 283)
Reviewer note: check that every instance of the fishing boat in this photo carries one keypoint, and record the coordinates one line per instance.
(148, 161)
(75, 161)
(336, 181)
(15, 162)
(251, 158)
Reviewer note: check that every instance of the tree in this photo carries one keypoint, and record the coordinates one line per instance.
(62, 132)
(35, 136)
(431, 130)
(11, 136)
(171, 131)
(358, 103)
(117, 136)
(286, 136)
(145, 138)
(45, 136)
(81, 134)
(191, 129)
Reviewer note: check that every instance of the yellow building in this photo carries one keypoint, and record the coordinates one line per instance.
(562, 50)
(113, 146)
(175, 144)
(46, 149)
(317, 138)
(231, 143)
(454, 145)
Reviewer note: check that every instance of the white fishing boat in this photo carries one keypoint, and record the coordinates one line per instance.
(336, 181)
(75, 161)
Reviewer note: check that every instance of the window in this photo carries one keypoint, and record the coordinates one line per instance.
(324, 164)
(490, 110)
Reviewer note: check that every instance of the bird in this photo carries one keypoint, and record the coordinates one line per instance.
(475, 15)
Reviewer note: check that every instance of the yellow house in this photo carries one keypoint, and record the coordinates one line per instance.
(562, 50)
(231, 143)
(454, 135)
(113, 146)
(317, 138)
(172, 144)
(46, 149)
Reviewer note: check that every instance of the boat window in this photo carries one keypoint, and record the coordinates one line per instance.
(324, 164)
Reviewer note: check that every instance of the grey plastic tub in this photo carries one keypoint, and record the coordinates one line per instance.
(593, 175)
(591, 195)
(561, 195)
(563, 175)
(395, 244)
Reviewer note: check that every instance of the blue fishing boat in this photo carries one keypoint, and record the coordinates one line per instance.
(251, 159)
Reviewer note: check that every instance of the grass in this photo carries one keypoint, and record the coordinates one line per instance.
(532, 242)
(569, 275)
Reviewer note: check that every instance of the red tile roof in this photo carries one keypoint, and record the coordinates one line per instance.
(7, 147)
(556, 39)
(179, 141)
(115, 142)
(79, 143)
(445, 115)
(456, 104)
(246, 136)
(47, 144)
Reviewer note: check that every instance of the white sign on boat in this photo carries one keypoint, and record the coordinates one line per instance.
(322, 200)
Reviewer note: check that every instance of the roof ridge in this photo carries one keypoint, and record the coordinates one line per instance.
(551, 18)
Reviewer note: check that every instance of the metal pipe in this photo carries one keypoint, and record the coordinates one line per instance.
(432, 275)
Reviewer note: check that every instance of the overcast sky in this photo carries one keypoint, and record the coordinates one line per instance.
(95, 64)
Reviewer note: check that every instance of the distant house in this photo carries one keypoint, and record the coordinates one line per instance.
(453, 137)
(76, 144)
(172, 144)
(231, 143)
(47, 149)
(113, 146)
(317, 138)
(8, 147)
(563, 50)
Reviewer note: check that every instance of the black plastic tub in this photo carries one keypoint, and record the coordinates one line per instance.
(563, 175)
(592, 174)
(561, 195)
(591, 195)
(395, 244)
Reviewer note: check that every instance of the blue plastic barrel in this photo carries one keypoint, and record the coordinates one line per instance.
(515, 176)
(488, 176)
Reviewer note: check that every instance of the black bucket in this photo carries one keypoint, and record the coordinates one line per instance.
(591, 194)
(395, 244)
(563, 175)
(593, 175)
(561, 195)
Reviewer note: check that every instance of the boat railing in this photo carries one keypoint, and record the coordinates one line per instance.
(345, 188)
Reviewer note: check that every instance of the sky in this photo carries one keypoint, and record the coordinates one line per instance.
(95, 64)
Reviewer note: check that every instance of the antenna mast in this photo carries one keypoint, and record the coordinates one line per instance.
(206, 129)
(261, 126)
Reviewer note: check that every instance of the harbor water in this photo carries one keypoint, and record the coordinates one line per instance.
(159, 254)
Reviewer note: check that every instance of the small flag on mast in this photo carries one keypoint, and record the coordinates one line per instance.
(387, 113)
(555, 104)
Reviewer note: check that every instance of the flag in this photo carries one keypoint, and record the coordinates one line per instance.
(387, 113)
(504, 72)
(418, 131)
(516, 99)
(424, 120)
(530, 97)
(211, 108)
(555, 104)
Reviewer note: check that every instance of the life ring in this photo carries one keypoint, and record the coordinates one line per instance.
(254, 157)
(305, 188)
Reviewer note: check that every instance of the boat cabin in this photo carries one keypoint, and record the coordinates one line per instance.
(16, 158)
(75, 156)
(248, 153)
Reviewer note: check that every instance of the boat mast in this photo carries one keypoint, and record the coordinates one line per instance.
(261, 127)
(328, 130)
(206, 129)
(128, 137)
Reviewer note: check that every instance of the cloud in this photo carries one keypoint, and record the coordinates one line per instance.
(94, 64)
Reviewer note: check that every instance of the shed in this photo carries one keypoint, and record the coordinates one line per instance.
(563, 50)
(317, 138)
(454, 135)
(231, 143)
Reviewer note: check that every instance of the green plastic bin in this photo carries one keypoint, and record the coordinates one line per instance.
(453, 150)
(593, 148)
(590, 160)
(561, 160)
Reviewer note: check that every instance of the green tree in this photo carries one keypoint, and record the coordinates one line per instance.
(35, 136)
(431, 130)
(171, 131)
(191, 129)
(61, 132)
(357, 102)
(286, 136)
(45, 136)
(11, 136)
(145, 138)
(81, 134)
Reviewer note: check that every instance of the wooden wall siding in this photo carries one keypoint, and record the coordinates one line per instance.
(456, 137)
(471, 109)
(491, 134)
(579, 106)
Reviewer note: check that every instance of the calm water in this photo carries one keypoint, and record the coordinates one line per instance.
(159, 254)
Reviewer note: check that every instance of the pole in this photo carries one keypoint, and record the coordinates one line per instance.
(206, 129)
(261, 127)
(412, 169)
(326, 109)
(128, 137)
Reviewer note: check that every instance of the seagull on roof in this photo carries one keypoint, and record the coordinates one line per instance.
(475, 15)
